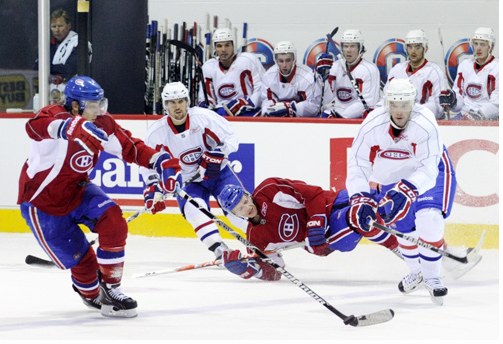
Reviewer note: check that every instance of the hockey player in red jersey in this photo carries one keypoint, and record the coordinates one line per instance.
(56, 194)
(281, 212)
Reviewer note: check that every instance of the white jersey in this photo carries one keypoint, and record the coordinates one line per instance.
(345, 100)
(428, 79)
(204, 129)
(300, 87)
(243, 78)
(478, 90)
(377, 156)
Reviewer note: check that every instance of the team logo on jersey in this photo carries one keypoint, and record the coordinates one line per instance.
(315, 49)
(288, 227)
(458, 52)
(390, 53)
(395, 154)
(263, 50)
(474, 91)
(191, 157)
(344, 94)
(81, 162)
(227, 91)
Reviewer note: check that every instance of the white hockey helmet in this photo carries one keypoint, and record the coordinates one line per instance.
(417, 37)
(172, 91)
(223, 35)
(401, 90)
(353, 36)
(484, 34)
(285, 47)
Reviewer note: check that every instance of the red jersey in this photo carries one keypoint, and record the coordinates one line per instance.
(285, 206)
(54, 176)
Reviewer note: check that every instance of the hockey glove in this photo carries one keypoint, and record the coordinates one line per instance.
(211, 163)
(85, 133)
(245, 269)
(167, 168)
(316, 241)
(401, 197)
(237, 106)
(447, 98)
(153, 198)
(363, 208)
(324, 63)
(282, 109)
(473, 116)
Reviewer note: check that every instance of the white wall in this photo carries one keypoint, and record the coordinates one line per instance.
(303, 22)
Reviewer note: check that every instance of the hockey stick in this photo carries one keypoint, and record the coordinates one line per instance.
(245, 40)
(470, 256)
(353, 81)
(212, 263)
(362, 320)
(144, 210)
(334, 31)
(36, 261)
(447, 109)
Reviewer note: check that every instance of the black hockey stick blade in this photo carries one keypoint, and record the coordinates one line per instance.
(32, 260)
(334, 31)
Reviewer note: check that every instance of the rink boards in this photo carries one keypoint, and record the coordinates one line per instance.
(313, 150)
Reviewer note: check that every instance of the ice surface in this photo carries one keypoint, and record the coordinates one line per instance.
(212, 304)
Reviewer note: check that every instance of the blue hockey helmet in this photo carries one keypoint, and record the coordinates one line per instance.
(83, 89)
(230, 196)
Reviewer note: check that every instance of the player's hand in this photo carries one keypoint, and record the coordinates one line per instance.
(237, 106)
(246, 268)
(447, 98)
(316, 240)
(211, 163)
(324, 63)
(85, 133)
(401, 197)
(282, 109)
(363, 208)
(168, 169)
(153, 198)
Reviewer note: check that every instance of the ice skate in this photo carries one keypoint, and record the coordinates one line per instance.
(437, 290)
(91, 303)
(410, 283)
(114, 303)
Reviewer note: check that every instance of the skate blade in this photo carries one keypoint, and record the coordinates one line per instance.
(113, 312)
(438, 300)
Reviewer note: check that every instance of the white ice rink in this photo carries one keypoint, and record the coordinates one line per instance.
(212, 304)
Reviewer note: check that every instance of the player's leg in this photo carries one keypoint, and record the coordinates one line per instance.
(104, 217)
(206, 230)
(66, 245)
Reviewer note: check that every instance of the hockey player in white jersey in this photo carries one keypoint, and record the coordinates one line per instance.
(475, 92)
(290, 89)
(427, 76)
(232, 80)
(344, 101)
(202, 141)
(399, 170)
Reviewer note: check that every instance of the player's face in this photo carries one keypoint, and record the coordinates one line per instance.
(246, 207)
(350, 52)
(60, 28)
(95, 108)
(416, 54)
(177, 109)
(400, 112)
(481, 50)
(224, 50)
(285, 63)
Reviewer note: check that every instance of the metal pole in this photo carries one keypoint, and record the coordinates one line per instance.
(82, 27)
(43, 52)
